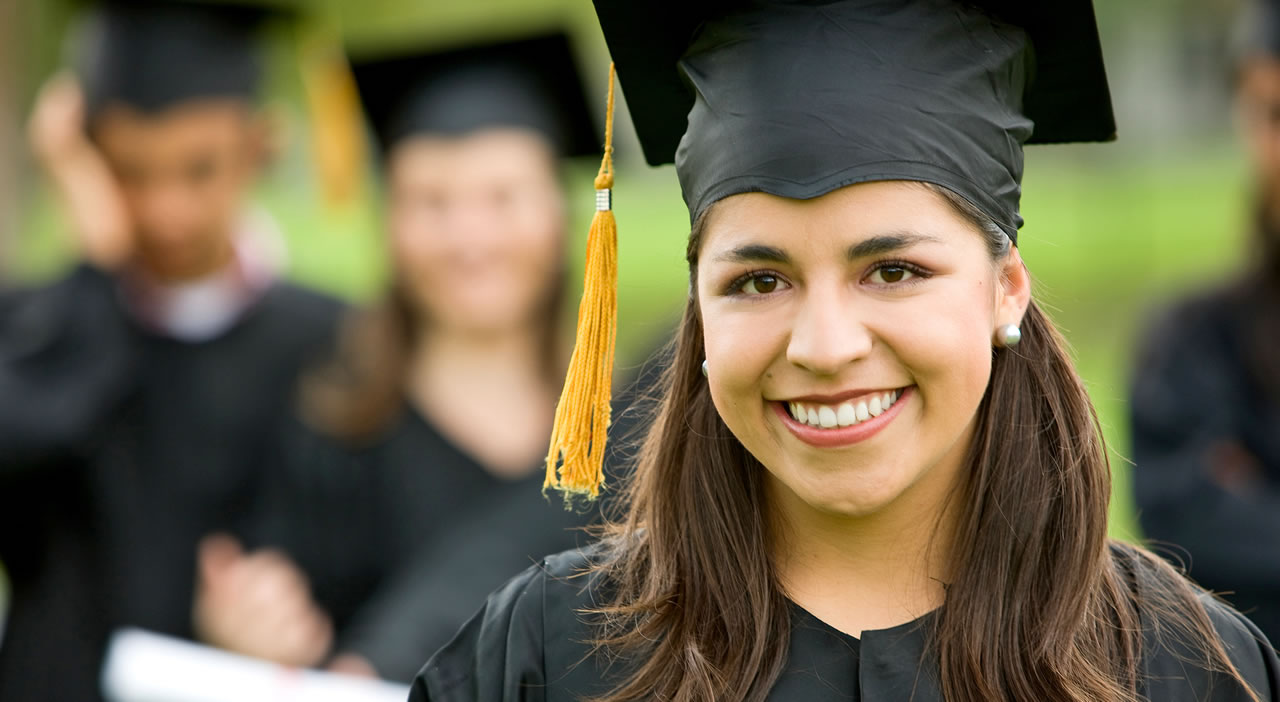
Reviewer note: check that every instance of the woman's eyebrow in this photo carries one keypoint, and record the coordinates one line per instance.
(753, 253)
(885, 243)
(873, 246)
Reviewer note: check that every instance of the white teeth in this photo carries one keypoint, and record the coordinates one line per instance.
(846, 415)
(843, 415)
(826, 417)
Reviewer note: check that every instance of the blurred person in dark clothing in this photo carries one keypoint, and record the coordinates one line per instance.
(134, 391)
(412, 482)
(1206, 395)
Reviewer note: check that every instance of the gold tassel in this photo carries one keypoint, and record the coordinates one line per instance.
(333, 104)
(575, 461)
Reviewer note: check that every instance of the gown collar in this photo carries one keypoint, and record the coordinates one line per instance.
(894, 663)
(200, 310)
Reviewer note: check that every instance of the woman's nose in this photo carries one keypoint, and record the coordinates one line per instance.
(827, 333)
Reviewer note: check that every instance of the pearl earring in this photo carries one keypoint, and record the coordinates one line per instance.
(1008, 335)
(705, 374)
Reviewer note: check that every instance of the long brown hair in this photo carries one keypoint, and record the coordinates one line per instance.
(1040, 607)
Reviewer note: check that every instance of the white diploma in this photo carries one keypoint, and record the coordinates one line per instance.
(146, 667)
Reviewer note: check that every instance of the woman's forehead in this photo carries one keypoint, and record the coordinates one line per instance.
(905, 210)
(490, 154)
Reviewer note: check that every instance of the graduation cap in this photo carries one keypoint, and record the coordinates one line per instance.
(954, 85)
(798, 98)
(153, 54)
(531, 83)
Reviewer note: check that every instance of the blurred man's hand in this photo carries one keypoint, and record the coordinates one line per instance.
(258, 604)
(56, 129)
(352, 664)
(84, 180)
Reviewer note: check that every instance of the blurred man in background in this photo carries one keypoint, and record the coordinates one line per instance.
(134, 392)
(1206, 398)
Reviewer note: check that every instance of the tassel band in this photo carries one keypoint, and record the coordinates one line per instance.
(604, 200)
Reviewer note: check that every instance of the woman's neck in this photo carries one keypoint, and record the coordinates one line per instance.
(862, 573)
(487, 393)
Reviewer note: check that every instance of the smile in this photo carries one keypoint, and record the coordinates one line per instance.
(844, 414)
(844, 422)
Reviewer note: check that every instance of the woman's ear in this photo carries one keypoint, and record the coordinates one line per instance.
(1014, 288)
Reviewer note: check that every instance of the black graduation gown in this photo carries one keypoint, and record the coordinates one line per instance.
(119, 450)
(401, 539)
(1196, 391)
(527, 644)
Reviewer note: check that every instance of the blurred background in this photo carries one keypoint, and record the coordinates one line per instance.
(1112, 231)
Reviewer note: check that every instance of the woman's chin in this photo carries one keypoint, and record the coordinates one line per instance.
(852, 497)
(850, 506)
(479, 317)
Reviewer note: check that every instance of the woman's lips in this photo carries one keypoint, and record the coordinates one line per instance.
(846, 423)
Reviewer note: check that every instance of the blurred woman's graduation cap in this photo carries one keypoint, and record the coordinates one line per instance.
(797, 98)
(529, 82)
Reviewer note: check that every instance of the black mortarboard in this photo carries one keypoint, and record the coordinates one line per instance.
(153, 54)
(531, 83)
(798, 98)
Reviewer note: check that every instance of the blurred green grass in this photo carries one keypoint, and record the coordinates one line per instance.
(1107, 240)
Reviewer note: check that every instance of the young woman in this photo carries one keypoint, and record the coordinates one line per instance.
(411, 490)
(875, 473)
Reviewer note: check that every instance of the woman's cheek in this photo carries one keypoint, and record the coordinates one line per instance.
(943, 344)
(743, 342)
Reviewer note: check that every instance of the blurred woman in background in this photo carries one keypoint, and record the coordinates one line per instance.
(412, 481)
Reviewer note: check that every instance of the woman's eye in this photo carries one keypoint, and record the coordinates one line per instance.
(891, 274)
(762, 284)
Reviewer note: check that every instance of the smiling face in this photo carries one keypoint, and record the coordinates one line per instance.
(819, 313)
(477, 226)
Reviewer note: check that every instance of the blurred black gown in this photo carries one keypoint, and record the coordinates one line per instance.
(527, 644)
(402, 539)
(119, 450)
(1206, 444)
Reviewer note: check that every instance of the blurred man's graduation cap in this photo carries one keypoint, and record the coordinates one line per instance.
(531, 82)
(153, 54)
